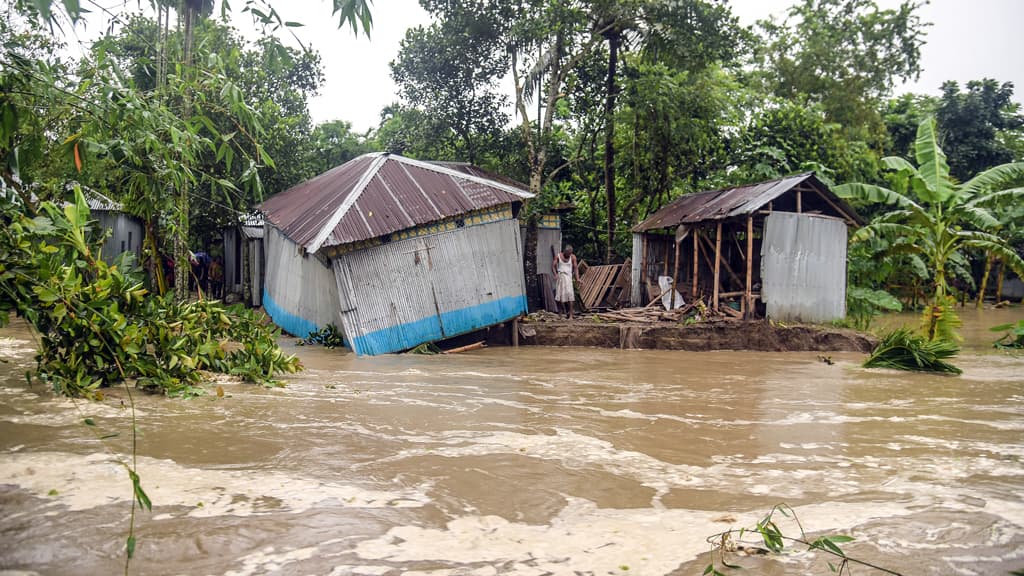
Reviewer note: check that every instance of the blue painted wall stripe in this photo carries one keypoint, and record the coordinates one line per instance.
(294, 325)
(412, 334)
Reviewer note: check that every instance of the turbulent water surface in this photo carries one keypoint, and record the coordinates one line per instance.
(524, 462)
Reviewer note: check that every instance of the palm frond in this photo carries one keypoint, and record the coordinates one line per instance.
(978, 217)
(876, 194)
(904, 350)
(932, 167)
(882, 230)
(1002, 175)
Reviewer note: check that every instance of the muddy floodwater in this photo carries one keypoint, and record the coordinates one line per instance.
(526, 461)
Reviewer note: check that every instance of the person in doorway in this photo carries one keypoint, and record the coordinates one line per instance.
(216, 277)
(565, 270)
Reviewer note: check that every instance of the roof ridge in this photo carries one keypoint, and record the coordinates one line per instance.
(357, 191)
(456, 174)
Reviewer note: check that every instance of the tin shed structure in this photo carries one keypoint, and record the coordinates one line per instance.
(126, 232)
(245, 259)
(394, 252)
(781, 243)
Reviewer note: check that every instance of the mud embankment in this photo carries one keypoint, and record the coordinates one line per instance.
(758, 336)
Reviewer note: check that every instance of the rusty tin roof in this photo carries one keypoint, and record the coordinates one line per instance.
(377, 194)
(726, 203)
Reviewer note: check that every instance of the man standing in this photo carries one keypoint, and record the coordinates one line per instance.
(565, 269)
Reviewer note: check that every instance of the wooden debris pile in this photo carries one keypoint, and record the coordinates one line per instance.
(696, 311)
(606, 286)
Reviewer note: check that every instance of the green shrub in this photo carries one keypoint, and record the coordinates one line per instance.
(1013, 337)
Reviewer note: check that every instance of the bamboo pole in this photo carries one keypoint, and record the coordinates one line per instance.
(799, 202)
(515, 333)
(696, 261)
(675, 274)
(643, 268)
(984, 281)
(999, 281)
(748, 301)
(718, 260)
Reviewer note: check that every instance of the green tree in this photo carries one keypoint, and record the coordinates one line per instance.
(936, 218)
(842, 54)
(450, 70)
(971, 121)
(334, 143)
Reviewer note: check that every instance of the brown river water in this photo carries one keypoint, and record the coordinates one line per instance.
(526, 461)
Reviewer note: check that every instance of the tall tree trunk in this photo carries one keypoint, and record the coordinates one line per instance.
(609, 139)
(999, 281)
(183, 267)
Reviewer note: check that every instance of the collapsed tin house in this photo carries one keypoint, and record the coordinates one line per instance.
(775, 248)
(245, 259)
(394, 252)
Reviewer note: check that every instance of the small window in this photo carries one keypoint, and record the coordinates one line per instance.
(129, 239)
(122, 245)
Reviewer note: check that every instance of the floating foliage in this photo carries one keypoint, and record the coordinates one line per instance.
(98, 325)
(1013, 336)
(905, 350)
(329, 337)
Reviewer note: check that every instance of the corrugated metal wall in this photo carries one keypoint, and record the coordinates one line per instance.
(126, 234)
(402, 294)
(636, 297)
(257, 264)
(232, 275)
(549, 242)
(300, 293)
(803, 267)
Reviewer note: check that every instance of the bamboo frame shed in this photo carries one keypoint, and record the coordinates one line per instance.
(777, 246)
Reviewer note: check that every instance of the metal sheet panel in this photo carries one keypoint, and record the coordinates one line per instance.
(636, 296)
(402, 294)
(126, 234)
(803, 267)
(300, 293)
(549, 242)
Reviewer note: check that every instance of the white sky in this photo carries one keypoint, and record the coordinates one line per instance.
(969, 40)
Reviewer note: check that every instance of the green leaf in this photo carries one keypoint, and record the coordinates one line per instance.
(89, 422)
(294, 24)
(932, 169)
(140, 494)
(130, 547)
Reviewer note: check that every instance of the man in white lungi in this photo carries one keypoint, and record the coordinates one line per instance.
(565, 269)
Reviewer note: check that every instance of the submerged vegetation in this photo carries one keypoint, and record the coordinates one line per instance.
(1013, 336)
(730, 544)
(98, 325)
(907, 350)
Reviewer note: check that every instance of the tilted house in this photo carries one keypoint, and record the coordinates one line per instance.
(394, 253)
(780, 243)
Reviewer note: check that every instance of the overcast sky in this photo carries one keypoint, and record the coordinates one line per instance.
(969, 40)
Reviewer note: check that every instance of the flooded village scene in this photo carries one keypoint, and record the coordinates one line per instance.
(511, 287)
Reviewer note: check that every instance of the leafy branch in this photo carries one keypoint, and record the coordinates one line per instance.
(773, 540)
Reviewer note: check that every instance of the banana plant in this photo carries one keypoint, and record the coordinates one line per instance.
(937, 218)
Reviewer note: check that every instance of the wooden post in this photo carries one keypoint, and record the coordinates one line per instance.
(718, 260)
(675, 273)
(515, 333)
(999, 281)
(696, 261)
(664, 271)
(747, 299)
(643, 268)
(798, 202)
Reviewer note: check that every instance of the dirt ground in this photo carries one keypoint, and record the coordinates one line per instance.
(757, 335)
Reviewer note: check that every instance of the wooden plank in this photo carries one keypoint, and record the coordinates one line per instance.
(643, 265)
(718, 260)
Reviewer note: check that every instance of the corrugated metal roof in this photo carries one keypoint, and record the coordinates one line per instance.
(377, 194)
(99, 202)
(251, 224)
(726, 203)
